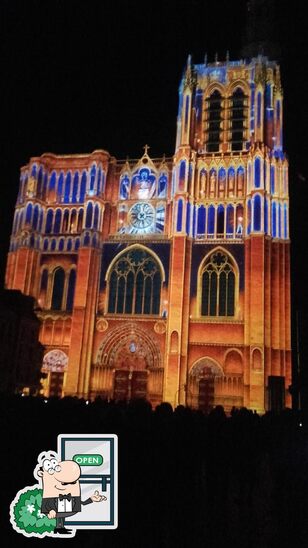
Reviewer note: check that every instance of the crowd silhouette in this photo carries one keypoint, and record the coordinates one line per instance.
(186, 479)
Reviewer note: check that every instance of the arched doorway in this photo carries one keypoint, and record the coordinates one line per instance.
(201, 386)
(55, 365)
(128, 366)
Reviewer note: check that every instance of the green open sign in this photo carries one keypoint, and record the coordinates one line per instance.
(88, 460)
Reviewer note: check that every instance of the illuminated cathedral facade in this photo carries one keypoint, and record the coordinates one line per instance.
(168, 278)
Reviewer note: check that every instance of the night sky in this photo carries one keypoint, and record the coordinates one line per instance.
(78, 76)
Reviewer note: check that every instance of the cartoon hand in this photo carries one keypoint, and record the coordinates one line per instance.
(52, 514)
(97, 497)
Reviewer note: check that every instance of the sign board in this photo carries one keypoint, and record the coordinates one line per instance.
(97, 456)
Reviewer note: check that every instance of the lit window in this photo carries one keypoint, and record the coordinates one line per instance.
(213, 122)
(238, 114)
(218, 286)
(135, 284)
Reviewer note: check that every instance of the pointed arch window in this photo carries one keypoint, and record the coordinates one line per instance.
(99, 176)
(39, 182)
(135, 284)
(57, 289)
(75, 188)
(67, 190)
(83, 185)
(201, 220)
(230, 221)
(182, 175)
(43, 287)
(96, 215)
(179, 221)
(214, 117)
(220, 221)
(211, 221)
(52, 182)
(35, 217)
(92, 177)
(89, 215)
(73, 220)
(57, 223)
(71, 290)
(238, 115)
(257, 213)
(60, 186)
(49, 221)
(218, 286)
(28, 213)
(65, 220)
(80, 220)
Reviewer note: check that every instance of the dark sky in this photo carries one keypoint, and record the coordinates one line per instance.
(76, 76)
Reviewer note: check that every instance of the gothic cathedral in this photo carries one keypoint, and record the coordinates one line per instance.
(168, 278)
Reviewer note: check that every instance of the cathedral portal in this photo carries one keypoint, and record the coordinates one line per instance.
(128, 366)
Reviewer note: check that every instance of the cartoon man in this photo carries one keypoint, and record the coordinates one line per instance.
(61, 489)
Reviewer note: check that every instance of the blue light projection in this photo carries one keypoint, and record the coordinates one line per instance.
(230, 219)
(89, 215)
(83, 186)
(257, 172)
(188, 219)
(274, 220)
(92, 177)
(57, 223)
(182, 173)
(160, 218)
(99, 176)
(28, 213)
(60, 185)
(257, 213)
(96, 214)
(220, 220)
(272, 179)
(35, 217)
(143, 185)
(67, 188)
(52, 182)
(248, 216)
(40, 181)
(201, 220)
(179, 216)
(124, 188)
(75, 188)
(211, 220)
(162, 185)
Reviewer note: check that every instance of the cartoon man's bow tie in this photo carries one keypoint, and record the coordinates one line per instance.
(67, 497)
